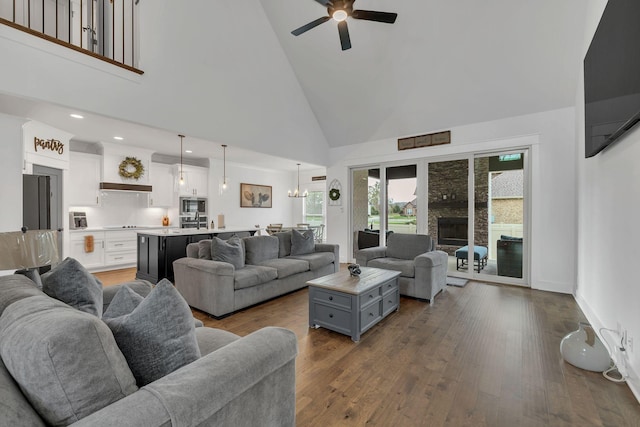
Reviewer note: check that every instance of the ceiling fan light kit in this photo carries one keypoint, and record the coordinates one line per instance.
(340, 10)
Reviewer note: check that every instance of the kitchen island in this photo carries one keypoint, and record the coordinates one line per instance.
(157, 249)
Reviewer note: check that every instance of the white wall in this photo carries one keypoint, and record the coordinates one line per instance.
(609, 207)
(11, 163)
(194, 83)
(551, 136)
(229, 202)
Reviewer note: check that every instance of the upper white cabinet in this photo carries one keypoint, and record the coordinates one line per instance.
(163, 183)
(84, 174)
(195, 181)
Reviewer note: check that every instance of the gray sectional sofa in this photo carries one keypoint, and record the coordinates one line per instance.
(272, 266)
(235, 381)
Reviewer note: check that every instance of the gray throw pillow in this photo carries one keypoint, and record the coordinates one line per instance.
(204, 249)
(158, 336)
(302, 243)
(66, 362)
(72, 284)
(231, 251)
(124, 302)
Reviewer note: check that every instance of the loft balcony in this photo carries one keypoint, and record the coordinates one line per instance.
(104, 29)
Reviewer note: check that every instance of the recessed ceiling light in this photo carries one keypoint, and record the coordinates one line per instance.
(76, 116)
(119, 138)
(188, 151)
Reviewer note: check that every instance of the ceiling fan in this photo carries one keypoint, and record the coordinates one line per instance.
(340, 10)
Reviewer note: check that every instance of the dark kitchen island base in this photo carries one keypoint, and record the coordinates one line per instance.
(158, 249)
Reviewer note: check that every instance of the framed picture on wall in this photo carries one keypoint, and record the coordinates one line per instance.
(255, 196)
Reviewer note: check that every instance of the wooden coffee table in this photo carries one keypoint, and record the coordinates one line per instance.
(351, 305)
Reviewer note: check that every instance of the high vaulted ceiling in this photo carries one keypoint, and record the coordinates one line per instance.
(444, 63)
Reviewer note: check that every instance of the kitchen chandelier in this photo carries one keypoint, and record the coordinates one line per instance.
(296, 193)
(225, 181)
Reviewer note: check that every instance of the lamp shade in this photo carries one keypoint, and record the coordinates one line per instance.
(29, 249)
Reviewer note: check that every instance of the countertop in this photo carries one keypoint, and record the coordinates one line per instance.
(191, 231)
(116, 228)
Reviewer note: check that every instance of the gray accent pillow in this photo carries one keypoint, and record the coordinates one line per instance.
(71, 283)
(260, 248)
(65, 361)
(302, 243)
(158, 336)
(284, 237)
(231, 251)
(124, 302)
(204, 249)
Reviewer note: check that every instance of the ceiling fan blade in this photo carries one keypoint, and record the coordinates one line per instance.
(345, 41)
(310, 25)
(324, 2)
(372, 15)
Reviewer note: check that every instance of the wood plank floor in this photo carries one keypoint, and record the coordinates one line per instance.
(482, 355)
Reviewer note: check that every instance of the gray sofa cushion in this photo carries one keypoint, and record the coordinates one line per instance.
(252, 275)
(316, 260)
(14, 288)
(157, 337)
(71, 283)
(65, 361)
(287, 266)
(284, 238)
(15, 409)
(204, 249)
(302, 242)
(406, 267)
(260, 248)
(231, 251)
(124, 302)
(407, 246)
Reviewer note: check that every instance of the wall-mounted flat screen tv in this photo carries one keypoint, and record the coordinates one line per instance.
(612, 76)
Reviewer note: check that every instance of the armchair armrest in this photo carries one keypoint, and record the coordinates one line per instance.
(363, 256)
(247, 382)
(427, 259)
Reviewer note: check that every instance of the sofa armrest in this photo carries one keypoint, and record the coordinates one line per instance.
(250, 381)
(330, 247)
(206, 285)
(363, 256)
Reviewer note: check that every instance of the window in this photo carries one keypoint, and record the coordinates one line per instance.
(314, 208)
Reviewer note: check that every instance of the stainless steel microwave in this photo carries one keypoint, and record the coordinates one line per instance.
(191, 205)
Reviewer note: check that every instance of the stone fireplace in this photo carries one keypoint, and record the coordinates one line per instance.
(448, 204)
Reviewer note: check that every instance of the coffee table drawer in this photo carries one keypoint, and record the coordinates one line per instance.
(390, 286)
(389, 302)
(333, 318)
(332, 298)
(369, 296)
(369, 316)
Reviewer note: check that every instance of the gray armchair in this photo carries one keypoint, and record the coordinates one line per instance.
(423, 270)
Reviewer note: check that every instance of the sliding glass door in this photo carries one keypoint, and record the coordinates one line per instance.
(483, 230)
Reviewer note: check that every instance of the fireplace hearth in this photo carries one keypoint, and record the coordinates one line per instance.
(453, 231)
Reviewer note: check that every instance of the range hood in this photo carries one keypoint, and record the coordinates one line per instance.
(114, 186)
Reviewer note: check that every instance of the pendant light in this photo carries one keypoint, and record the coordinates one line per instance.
(181, 173)
(224, 183)
(296, 193)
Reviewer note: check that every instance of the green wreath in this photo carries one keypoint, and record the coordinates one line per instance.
(131, 167)
(334, 194)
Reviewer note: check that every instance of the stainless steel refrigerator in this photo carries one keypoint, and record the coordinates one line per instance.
(36, 202)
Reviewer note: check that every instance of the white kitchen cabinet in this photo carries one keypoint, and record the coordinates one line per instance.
(195, 181)
(84, 174)
(162, 181)
(120, 248)
(90, 260)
